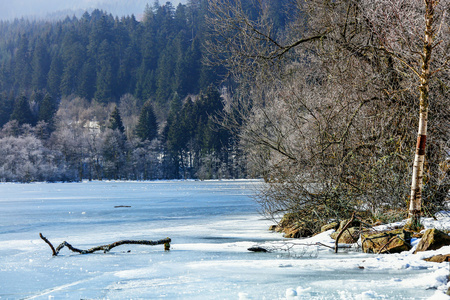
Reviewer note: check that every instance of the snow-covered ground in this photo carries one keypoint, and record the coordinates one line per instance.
(211, 225)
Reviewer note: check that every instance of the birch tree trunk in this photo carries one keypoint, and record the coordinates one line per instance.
(415, 205)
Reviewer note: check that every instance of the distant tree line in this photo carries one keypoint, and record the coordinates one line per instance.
(102, 97)
(83, 140)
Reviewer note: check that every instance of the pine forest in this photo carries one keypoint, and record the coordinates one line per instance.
(103, 97)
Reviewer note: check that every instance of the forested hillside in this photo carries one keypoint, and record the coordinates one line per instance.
(118, 98)
(102, 57)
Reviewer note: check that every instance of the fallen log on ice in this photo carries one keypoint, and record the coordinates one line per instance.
(257, 249)
(106, 248)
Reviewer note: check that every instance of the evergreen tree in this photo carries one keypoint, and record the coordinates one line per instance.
(22, 112)
(188, 119)
(6, 108)
(187, 72)
(101, 31)
(211, 136)
(126, 77)
(148, 14)
(115, 153)
(103, 94)
(40, 65)
(115, 121)
(106, 72)
(87, 80)
(147, 127)
(145, 84)
(172, 138)
(164, 80)
(47, 110)
(54, 76)
(22, 64)
(175, 135)
(73, 54)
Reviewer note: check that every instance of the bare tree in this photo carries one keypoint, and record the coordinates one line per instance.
(129, 109)
(250, 45)
(413, 33)
(323, 109)
(296, 110)
(26, 159)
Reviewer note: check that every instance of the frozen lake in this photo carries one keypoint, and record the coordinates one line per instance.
(211, 224)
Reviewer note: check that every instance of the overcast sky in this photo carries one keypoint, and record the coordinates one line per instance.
(10, 9)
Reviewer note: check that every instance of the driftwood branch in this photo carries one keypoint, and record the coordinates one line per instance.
(48, 243)
(106, 248)
(342, 231)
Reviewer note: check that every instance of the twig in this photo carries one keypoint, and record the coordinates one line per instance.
(108, 247)
(320, 244)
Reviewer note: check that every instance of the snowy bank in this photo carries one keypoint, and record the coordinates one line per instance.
(432, 276)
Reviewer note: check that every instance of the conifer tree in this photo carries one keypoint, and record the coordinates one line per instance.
(22, 112)
(73, 53)
(147, 127)
(47, 109)
(54, 75)
(6, 108)
(22, 68)
(106, 72)
(115, 121)
(40, 65)
(87, 81)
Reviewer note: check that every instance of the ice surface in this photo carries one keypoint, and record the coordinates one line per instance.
(211, 223)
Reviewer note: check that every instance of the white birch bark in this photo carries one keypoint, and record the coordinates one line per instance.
(415, 206)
